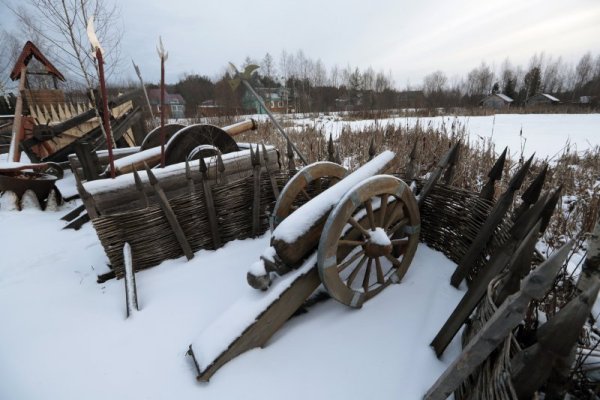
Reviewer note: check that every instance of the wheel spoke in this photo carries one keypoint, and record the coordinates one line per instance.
(380, 277)
(343, 242)
(394, 261)
(308, 198)
(358, 226)
(355, 271)
(397, 226)
(383, 208)
(367, 276)
(392, 211)
(370, 214)
(349, 261)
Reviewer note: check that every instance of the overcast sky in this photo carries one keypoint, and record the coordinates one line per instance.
(408, 38)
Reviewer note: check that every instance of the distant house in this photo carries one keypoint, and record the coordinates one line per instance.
(174, 104)
(496, 101)
(277, 100)
(542, 99)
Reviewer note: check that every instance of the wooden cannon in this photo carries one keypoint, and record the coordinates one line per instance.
(356, 237)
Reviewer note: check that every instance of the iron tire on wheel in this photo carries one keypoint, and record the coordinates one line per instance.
(298, 184)
(353, 244)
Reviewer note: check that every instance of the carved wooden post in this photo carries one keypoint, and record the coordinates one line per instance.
(504, 320)
(513, 249)
(496, 215)
(411, 167)
(591, 267)
(255, 156)
(169, 214)
(140, 188)
(274, 186)
(532, 193)
(435, 176)
(130, 288)
(88, 160)
(189, 179)
(210, 206)
(556, 339)
(488, 190)
(450, 170)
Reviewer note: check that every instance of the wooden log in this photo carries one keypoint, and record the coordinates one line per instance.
(495, 330)
(256, 191)
(437, 173)
(495, 174)
(240, 127)
(131, 299)
(513, 249)
(210, 206)
(555, 339)
(496, 215)
(170, 215)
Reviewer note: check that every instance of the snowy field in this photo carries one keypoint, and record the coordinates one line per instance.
(64, 336)
(544, 134)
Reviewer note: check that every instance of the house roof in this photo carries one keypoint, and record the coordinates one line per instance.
(154, 94)
(550, 97)
(30, 50)
(504, 97)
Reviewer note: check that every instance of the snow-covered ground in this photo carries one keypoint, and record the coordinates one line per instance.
(64, 336)
(544, 134)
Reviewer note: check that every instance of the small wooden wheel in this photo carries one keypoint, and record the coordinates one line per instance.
(184, 141)
(369, 240)
(297, 189)
(152, 139)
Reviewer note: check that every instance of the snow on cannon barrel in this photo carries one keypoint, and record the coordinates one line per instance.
(356, 237)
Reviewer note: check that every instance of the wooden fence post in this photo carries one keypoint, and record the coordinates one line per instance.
(504, 320)
(372, 150)
(435, 176)
(130, 286)
(169, 214)
(496, 215)
(274, 186)
(290, 155)
(140, 187)
(411, 167)
(255, 156)
(330, 149)
(211, 211)
(591, 266)
(532, 193)
(221, 170)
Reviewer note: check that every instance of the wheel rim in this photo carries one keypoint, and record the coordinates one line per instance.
(369, 240)
(297, 187)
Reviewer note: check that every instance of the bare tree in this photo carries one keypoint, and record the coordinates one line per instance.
(9, 51)
(268, 66)
(584, 71)
(434, 82)
(61, 26)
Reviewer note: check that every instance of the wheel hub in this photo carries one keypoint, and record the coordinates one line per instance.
(378, 244)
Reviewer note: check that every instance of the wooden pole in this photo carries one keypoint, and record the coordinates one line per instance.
(211, 211)
(105, 112)
(256, 191)
(14, 153)
(162, 112)
(139, 74)
(130, 287)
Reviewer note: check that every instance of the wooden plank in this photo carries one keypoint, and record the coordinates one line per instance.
(495, 330)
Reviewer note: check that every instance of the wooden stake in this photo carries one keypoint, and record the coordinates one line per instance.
(210, 206)
(130, 287)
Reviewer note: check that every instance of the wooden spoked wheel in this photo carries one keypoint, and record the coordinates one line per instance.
(369, 240)
(298, 189)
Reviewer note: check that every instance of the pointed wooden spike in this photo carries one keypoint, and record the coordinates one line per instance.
(532, 193)
(290, 150)
(188, 173)
(265, 153)
(518, 178)
(203, 167)
(151, 177)
(539, 281)
(528, 219)
(550, 206)
(413, 152)
(560, 333)
(220, 163)
(496, 171)
(137, 179)
(255, 156)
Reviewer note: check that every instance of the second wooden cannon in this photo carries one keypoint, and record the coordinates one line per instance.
(356, 237)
